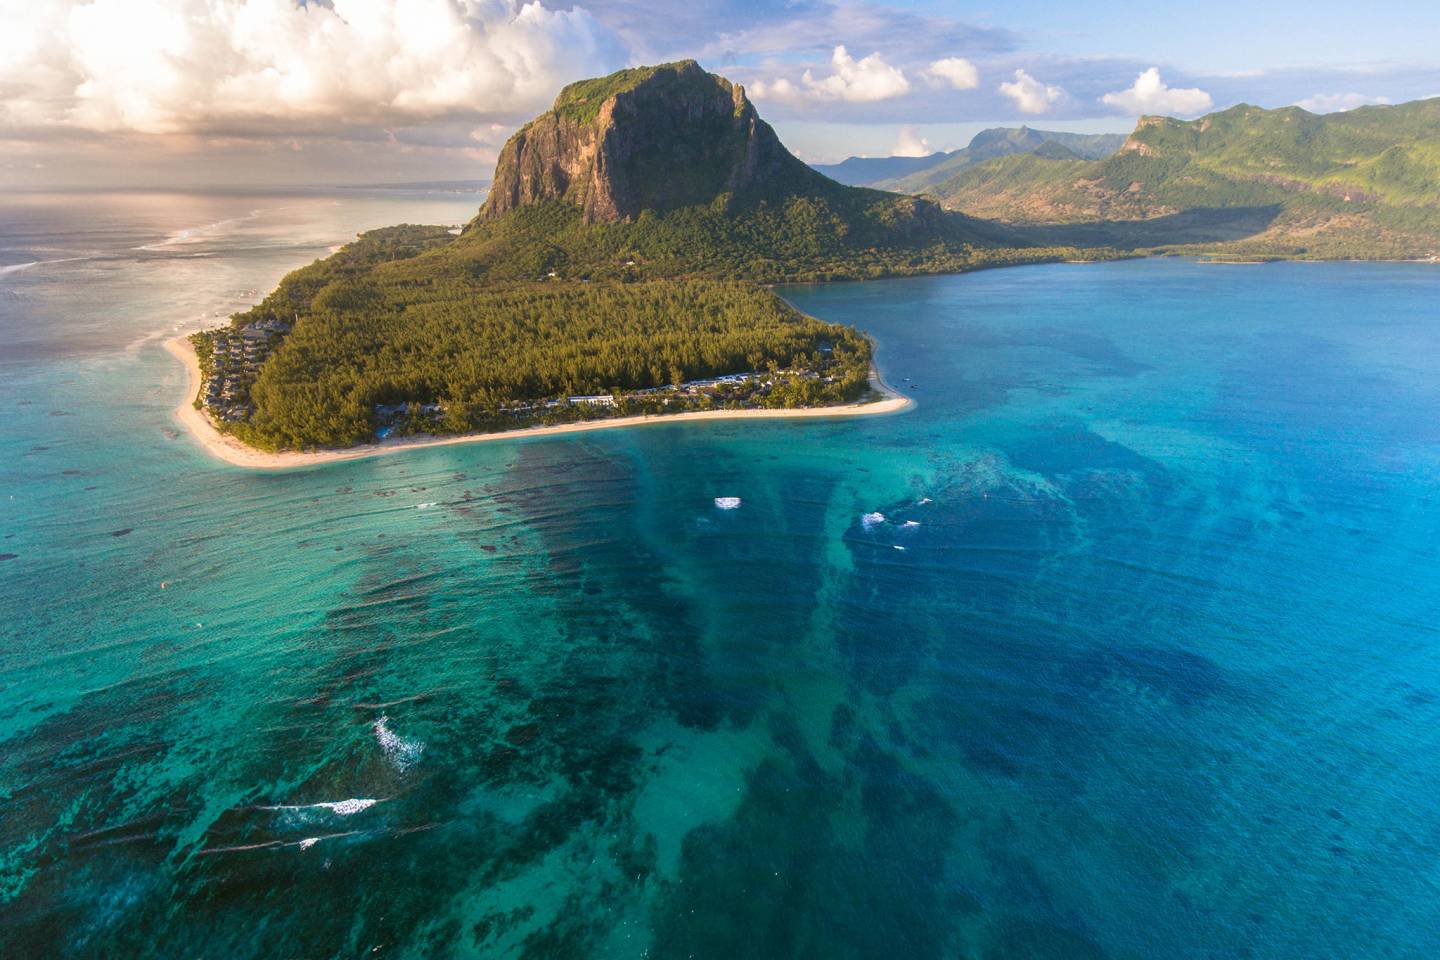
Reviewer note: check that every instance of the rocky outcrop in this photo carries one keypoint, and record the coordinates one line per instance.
(654, 138)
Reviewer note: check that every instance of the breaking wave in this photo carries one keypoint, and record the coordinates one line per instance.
(343, 808)
(399, 751)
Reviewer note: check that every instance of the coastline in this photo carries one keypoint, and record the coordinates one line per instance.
(232, 451)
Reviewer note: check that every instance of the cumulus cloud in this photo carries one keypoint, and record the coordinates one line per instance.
(1030, 95)
(1149, 94)
(956, 72)
(1338, 102)
(777, 89)
(854, 81)
(911, 144)
(182, 66)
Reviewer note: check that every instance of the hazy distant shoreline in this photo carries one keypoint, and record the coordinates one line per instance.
(239, 454)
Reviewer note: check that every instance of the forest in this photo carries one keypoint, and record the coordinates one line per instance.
(481, 351)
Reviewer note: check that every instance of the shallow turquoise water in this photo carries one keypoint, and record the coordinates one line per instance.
(1155, 675)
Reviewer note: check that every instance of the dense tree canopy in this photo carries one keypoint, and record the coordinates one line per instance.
(478, 350)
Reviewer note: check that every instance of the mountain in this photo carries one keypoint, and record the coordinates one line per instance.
(669, 171)
(915, 174)
(863, 171)
(650, 138)
(620, 251)
(1005, 142)
(1365, 183)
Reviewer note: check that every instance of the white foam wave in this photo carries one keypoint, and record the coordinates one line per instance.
(924, 500)
(399, 751)
(727, 503)
(20, 267)
(342, 808)
(192, 235)
(303, 844)
(424, 506)
(872, 520)
(909, 524)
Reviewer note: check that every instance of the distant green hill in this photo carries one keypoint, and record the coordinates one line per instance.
(863, 171)
(1004, 142)
(1365, 183)
(915, 174)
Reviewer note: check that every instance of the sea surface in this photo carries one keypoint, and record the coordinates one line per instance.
(1123, 643)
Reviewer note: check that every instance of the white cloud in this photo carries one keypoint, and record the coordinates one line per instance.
(955, 71)
(1030, 95)
(181, 66)
(854, 81)
(778, 89)
(911, 144)
(1338, 102)
(1149, 94)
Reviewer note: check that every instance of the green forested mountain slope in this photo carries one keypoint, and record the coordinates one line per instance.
(1005, 142)
(1365, 183)
(915, 174)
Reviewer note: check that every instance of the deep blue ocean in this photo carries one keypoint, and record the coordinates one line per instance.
(1140, 660)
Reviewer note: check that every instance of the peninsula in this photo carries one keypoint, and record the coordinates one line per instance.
(617, 273)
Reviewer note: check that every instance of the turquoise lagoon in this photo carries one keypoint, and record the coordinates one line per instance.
(1142, 660)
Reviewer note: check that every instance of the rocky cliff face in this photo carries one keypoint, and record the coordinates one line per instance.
(651, 138)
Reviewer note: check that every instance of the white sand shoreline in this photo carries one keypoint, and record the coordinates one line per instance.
(232, 451)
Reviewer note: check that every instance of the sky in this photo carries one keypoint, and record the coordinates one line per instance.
(161, 93)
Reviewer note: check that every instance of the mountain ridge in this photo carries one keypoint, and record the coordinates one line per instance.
(1364, 183)
(914, 174)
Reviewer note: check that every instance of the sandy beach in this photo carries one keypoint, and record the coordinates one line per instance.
(232, 451)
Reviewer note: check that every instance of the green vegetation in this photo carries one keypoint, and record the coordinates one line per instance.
(1244, 181)
(844, 234)
(403, 336)
(918, 174)
(204, 344)
(581, 101)
(1005, 142)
